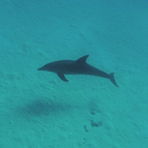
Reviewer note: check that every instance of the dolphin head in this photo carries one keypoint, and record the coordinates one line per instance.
(52, 67)
(41, 69)
(46, 67)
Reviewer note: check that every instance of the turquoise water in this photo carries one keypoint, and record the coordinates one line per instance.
(38, 110)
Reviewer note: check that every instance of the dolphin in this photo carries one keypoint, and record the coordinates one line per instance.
(79, 66)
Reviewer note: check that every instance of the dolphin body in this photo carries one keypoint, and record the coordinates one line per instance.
(79, 66)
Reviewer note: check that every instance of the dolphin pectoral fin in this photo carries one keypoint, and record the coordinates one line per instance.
(62, 77)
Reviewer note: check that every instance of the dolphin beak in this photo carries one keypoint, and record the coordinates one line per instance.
(40, 69)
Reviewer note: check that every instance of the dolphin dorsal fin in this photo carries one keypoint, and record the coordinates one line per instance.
(82, 59)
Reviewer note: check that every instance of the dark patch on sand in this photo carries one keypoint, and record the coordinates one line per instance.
(43, 107)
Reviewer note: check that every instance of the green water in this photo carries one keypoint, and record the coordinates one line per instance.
(38, 110)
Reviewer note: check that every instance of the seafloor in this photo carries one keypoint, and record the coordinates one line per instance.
(38, 110)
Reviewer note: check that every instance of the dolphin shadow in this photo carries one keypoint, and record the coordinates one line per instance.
(43, 107)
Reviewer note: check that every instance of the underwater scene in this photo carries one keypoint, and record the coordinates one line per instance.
(73, 74)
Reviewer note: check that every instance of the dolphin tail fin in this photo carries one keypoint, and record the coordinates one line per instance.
(112, 78)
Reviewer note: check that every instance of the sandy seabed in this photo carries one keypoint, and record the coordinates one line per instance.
(38, 110)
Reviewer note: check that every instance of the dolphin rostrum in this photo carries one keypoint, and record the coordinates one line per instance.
(79, 66)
